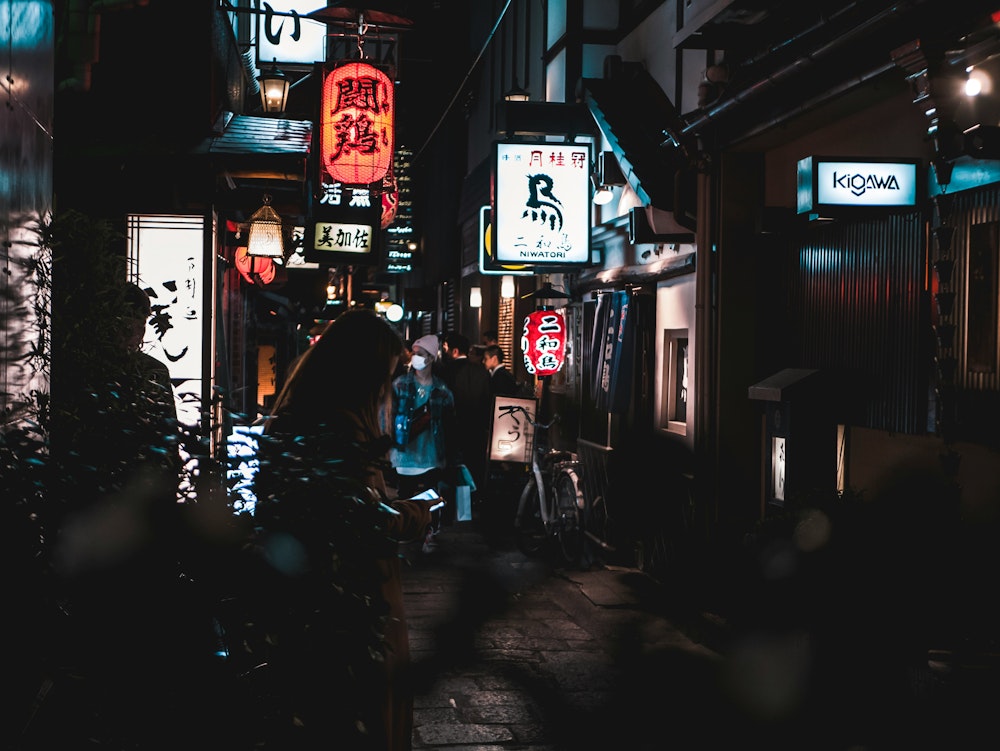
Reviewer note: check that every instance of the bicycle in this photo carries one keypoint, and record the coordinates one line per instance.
(551, 505)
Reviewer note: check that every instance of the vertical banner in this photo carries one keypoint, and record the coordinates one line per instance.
(612, 352)
(166, 253)
(597, 344)
(620, 388)
(613, 313)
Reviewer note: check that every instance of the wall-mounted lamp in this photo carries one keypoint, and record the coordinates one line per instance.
(516, 93)
(274, 87)
(603, 195)
(475, 297)
(507, 287)
(265, 237)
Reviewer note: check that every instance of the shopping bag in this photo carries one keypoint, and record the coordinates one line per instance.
(463, 503)
(465, 477)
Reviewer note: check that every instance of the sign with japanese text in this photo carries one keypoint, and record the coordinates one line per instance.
(345, 226)
(512, 435)
(543, 342)
(167, 254)
(284, 35)
(343, 238)
(356, 124)
(541, 203)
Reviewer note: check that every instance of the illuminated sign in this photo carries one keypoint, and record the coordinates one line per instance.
(166, 251)
(284, 35)
(541, 203)
(511, 432)
(487, 263)
(827, 184)
(345, 226)
(343, 238)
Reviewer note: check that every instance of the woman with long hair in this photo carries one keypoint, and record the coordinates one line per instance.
(332, 536)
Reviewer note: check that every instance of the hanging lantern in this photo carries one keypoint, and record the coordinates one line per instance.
(543, 342)
(265, 236)
(253, 268)
(356, 124)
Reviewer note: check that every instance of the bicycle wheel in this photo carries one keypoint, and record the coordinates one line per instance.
(528, 524)
(569, 530)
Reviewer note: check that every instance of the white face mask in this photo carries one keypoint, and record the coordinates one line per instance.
(419, 362)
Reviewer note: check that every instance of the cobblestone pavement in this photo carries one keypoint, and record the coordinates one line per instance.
(512, 653)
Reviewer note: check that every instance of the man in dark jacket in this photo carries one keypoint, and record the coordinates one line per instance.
(502, 382)
(470, 385)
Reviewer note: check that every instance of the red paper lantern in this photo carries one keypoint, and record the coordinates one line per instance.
(250, 266)
(356, 125)
(543, 342)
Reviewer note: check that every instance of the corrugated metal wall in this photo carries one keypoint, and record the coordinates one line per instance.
(859, 304)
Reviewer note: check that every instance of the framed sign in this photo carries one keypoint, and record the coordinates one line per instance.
(512, 436)
(829, 184)
(487, 263)
(541, 204)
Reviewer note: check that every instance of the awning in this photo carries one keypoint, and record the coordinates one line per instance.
(637, 118)
(265, 148)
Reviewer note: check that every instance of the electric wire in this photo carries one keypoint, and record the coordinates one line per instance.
(461, 86)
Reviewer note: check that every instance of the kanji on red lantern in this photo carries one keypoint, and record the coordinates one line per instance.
(543, 342)
(356, 124)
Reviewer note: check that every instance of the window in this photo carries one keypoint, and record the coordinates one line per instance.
(675, 381)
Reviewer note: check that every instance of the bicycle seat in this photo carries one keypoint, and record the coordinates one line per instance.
(558, 455)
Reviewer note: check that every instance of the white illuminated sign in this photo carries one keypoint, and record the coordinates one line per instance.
(284, 34)
(824, 183)
(542, 204)
(167, 254)
(344, 238)
(512, 435)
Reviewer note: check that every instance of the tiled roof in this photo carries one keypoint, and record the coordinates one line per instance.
(245, 134)
(632, 111)
(265, 148)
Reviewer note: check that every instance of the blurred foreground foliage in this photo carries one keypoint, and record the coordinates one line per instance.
(142, 622)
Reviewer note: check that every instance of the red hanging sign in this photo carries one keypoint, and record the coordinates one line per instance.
(390, 200)
(356, 125)
(543, 342)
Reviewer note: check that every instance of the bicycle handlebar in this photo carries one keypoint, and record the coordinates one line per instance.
(535, 423)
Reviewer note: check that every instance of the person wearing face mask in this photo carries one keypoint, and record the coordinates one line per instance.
(423, 427)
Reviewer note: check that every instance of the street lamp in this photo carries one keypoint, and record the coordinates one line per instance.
(274, 87)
